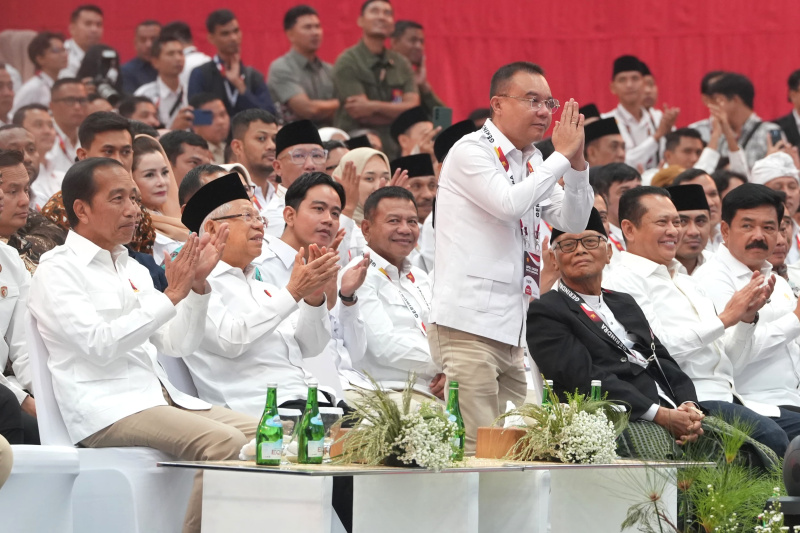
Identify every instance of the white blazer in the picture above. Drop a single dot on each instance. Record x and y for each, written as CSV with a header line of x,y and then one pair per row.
x,y
478,287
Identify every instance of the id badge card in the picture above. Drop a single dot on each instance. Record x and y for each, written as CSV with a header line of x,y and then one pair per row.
x,y
532,270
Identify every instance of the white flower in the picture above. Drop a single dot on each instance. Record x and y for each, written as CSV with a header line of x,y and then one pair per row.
x,y
425,440
589,438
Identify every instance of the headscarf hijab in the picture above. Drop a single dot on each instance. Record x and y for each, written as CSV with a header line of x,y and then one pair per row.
x,y
359,157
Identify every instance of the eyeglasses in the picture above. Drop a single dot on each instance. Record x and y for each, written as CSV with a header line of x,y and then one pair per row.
x,y
536,104
72,100
248,218
317,156
590,242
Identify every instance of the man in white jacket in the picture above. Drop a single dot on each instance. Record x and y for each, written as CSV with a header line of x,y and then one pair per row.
x,y
493,190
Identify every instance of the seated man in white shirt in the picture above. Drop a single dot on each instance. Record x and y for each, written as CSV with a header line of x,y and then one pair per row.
x,y
298,149
49,56
395,299
612,182
256,332
685,320
778,172
770,372
253,133
422,183
170,97
36,119
604,144
103,323
700,177
68,105
692,206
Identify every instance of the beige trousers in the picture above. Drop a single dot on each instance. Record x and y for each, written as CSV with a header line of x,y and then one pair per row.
x,y
352,397
489,374
6,460
213,435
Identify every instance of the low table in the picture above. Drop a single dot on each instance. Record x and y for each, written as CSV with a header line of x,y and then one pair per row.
x,y
482,495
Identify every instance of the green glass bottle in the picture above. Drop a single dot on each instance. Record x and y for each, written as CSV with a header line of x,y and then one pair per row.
x,y
311,432
596,390
269,436
454,412
546,393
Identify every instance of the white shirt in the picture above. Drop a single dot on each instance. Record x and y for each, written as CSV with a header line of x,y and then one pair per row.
x,y
715,239
193,58
34,91
255,333
167,101
47,183
684,319
397,341
641,147
793,254
75,55
15,283
274,213
162,245
770,371
616,238
427,246
63,153
102,323
479,255
348,335
261,199
16,77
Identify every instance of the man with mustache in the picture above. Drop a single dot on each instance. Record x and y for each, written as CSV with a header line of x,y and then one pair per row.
x,y
692,206
770,371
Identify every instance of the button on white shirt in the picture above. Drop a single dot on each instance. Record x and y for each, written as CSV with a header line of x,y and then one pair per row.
x,y
75,55
255,333
684,319
15,283
34,91
396,342
641,148
770,371
479,252
102,323
63,153
167,101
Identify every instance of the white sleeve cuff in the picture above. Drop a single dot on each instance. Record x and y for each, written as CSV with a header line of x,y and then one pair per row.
x,y
650,415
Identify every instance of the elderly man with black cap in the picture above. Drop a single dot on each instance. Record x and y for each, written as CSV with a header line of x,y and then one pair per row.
x,y
413,131
690,201
582,332
298,149
604,143
253,329
639,128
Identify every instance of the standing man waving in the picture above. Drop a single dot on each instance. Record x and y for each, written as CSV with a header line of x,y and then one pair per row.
x,y
494,189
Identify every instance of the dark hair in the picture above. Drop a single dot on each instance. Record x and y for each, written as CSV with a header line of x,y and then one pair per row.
x,y
630,203
173,142
86,7
366,4
179,29
401,26
794,80
94,97
148,22
11,158
673,138
79,183
220,17
613,173
95,65
64,81
506,72
19,114
722,178
332,145
101,122
732,84
242,120
688,175
40,44
193,180
127,107
479,114
371,204
705,83
6,127
138,128
294,13
298,190
143,146
201,99
159,43
750,196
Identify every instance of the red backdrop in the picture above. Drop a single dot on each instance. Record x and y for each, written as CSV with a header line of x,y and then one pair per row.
x,y
574,40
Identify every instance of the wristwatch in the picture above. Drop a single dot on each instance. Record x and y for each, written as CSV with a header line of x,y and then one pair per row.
x,y
348,299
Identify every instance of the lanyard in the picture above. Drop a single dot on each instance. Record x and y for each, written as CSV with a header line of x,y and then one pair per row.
x,y
616,242
406,301
232,92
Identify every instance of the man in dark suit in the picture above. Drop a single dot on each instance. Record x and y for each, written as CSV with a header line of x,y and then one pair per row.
x,y
789,123
239,87
579,332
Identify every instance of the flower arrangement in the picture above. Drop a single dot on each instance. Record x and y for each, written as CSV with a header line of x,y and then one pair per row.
x,y
772,520
385,432
582,430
